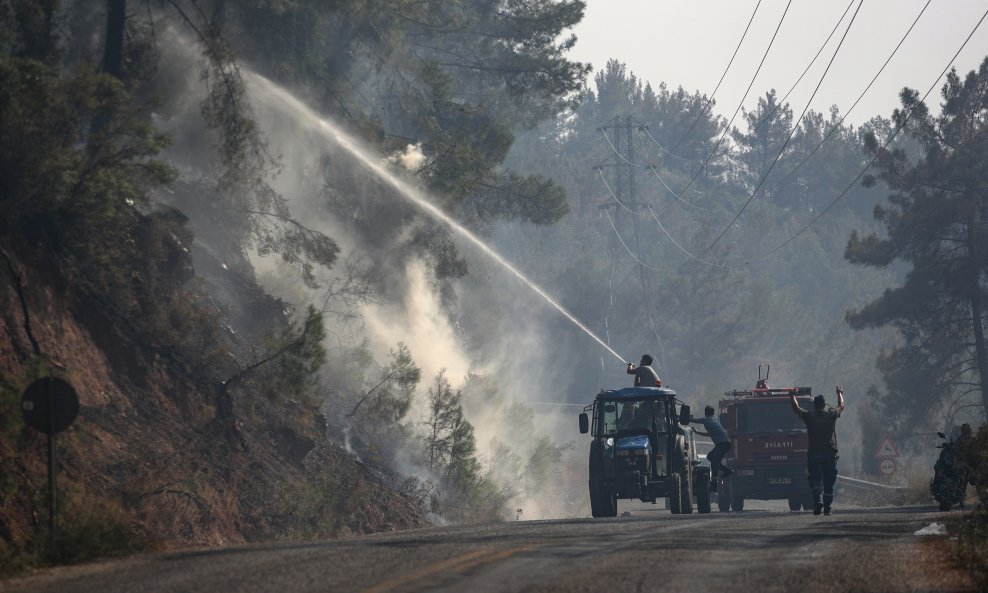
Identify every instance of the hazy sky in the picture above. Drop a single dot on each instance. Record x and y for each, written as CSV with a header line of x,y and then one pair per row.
x,y
689,43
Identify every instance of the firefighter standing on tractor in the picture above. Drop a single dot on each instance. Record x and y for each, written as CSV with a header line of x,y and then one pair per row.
x,y
645,375
821,454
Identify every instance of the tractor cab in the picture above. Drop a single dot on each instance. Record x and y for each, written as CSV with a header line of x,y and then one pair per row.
x,y
641,449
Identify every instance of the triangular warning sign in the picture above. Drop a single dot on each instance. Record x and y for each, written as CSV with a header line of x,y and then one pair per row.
x,y
886,450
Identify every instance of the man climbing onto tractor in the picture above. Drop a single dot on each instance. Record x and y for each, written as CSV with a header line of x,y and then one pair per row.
x,y
722,444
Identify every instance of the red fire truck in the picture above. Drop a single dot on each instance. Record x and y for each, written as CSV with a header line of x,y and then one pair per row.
x,y
768,447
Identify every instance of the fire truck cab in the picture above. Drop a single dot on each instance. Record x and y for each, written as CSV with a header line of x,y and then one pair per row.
x,y
768,448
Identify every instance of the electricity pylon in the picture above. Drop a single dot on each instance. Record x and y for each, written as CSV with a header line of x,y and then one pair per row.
x,y
624,202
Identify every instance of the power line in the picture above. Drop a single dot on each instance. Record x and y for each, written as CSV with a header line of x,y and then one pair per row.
x,y
648,167
664,149
840,122
618,233
624,171
710,100
625,245
791,132
884,146
648,206
614,148
807,69
677,196
676,243
738,110
759,124
624,196
611,191
652,212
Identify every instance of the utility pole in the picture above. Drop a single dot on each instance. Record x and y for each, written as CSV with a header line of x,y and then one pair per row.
x,y
622,161
624,202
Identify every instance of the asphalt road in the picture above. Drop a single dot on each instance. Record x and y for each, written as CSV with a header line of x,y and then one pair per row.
x,y
765,549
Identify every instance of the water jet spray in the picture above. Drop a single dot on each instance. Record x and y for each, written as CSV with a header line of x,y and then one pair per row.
x,y
406,190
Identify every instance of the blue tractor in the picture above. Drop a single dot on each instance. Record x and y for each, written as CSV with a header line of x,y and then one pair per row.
x,y
643,449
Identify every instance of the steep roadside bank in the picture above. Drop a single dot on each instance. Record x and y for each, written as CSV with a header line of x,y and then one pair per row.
x,y
146,463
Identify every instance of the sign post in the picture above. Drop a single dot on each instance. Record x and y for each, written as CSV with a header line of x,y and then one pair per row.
x,y
50,405
886,456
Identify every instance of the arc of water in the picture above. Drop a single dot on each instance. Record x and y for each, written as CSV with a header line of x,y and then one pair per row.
x,y
408,191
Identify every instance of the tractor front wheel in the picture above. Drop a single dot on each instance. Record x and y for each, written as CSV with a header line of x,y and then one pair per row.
x,y
603,503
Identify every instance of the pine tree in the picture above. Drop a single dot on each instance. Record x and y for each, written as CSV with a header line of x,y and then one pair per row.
x,y
445,413
769,124
451,448
379,414
935,222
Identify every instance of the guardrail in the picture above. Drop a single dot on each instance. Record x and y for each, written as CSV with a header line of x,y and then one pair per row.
x,y
863,491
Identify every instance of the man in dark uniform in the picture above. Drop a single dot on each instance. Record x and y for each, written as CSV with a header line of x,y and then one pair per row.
x,y
821,454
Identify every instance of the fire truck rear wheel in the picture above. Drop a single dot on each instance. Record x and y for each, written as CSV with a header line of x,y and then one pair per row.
x,y
724,496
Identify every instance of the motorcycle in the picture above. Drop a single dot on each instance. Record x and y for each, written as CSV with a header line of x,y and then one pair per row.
x,y
950,476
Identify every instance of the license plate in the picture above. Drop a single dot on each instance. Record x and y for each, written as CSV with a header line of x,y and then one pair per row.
x,y
780,480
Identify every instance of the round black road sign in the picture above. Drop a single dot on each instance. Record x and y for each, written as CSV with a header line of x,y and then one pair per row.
x,y
50,405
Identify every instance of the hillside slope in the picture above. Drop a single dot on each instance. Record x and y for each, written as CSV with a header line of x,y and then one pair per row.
x,y
147,461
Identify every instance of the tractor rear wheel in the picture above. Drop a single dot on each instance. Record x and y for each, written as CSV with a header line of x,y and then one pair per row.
x,y
675,497
686,491
702,489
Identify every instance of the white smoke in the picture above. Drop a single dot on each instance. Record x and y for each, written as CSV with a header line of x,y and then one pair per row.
x,y
518,353
420,323
411,159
